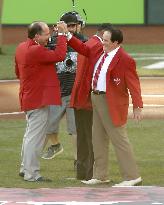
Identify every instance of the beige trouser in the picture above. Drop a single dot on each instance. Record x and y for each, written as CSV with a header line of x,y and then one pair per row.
x,y
103,132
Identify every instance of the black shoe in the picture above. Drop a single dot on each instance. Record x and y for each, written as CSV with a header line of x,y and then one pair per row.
x,y
43,179
21,174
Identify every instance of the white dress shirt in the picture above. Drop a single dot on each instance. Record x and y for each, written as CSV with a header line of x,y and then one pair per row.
x,y
101,83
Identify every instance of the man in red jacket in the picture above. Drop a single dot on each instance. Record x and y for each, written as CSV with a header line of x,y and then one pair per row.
x,y
112,76
83,109
39,88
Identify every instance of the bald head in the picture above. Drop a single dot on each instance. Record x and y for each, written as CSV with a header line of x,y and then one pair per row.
x,y
36,28
39,32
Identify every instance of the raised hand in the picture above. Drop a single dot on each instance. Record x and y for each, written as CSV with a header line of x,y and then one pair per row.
x,y
62,27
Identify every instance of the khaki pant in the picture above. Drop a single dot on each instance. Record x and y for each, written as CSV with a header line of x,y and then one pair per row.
x,y
103,132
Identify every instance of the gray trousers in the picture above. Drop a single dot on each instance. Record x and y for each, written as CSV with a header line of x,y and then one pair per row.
x,y
56,114
103,132
33,142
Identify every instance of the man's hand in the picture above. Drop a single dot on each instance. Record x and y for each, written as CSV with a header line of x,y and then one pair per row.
x,y
62,27
137,114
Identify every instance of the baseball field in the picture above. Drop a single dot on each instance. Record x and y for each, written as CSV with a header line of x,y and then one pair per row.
x,y
146,137
146,45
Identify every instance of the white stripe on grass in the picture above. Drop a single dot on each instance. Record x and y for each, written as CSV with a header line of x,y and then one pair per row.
x,y
145,105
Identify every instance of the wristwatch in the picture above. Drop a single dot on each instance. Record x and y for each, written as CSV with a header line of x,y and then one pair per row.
x,y
61,34
68,35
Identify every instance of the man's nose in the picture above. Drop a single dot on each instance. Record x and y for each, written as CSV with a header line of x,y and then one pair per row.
x,y
71,29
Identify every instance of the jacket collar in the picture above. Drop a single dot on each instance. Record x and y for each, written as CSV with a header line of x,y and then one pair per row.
x,y
32,42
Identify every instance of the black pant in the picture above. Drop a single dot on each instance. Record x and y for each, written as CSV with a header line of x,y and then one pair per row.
x,y
85,157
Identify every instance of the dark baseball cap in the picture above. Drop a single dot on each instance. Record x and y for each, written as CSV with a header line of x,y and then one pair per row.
x,y
69,18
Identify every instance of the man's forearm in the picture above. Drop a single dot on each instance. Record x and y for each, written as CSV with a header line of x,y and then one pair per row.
x,y
79,46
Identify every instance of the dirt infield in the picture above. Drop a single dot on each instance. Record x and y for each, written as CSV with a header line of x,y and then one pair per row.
x,y
132,34
152,92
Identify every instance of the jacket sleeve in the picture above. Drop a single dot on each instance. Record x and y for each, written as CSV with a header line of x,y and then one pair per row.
x,y
79,46
16,69
133,84
49,56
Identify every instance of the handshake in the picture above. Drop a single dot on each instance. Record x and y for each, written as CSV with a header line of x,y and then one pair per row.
x,y
61,27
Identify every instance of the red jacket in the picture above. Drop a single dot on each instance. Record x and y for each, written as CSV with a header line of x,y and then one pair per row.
x,y
80,96
39,85
121,77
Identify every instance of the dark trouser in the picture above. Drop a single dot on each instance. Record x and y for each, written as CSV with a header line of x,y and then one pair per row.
x,y
85,158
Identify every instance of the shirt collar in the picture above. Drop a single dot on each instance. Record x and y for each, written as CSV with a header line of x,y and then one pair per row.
x,y
113,52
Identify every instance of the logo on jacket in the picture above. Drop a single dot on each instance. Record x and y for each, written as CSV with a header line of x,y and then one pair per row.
x,y
117,81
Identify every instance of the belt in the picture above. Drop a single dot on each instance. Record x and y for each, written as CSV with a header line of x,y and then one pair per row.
x,y
97,92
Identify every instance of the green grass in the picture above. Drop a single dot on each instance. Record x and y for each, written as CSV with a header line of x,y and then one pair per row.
x,y
147,139
149,49
7,63
7,60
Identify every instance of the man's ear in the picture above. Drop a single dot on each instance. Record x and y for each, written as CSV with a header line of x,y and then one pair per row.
x,y
36,37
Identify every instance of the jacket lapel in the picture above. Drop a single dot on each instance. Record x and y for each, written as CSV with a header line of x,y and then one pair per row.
x,y
114,61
